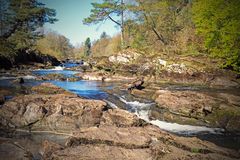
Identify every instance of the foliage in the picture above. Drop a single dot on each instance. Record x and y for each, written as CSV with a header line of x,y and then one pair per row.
x,y
56,45
106,46
219,24
107,10
20,20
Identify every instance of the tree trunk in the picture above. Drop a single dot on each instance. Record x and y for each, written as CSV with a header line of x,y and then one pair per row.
x,y
122,26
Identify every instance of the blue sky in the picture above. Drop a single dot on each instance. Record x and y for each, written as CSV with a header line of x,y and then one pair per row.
x,y
70,14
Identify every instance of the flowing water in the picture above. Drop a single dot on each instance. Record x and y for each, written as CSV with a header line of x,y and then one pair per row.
x,y
141,107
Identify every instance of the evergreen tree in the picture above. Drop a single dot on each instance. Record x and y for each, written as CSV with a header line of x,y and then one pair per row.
x,y
87,47
24,17
103,35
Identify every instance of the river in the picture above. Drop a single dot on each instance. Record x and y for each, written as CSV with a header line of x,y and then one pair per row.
x,y
121,98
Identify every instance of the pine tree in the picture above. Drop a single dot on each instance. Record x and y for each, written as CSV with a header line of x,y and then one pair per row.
x,y
107,10
87,47
103,35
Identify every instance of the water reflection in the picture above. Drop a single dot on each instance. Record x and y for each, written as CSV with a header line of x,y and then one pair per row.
x,y
87,89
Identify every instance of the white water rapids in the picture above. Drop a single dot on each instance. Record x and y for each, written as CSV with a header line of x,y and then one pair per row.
x,y
142,110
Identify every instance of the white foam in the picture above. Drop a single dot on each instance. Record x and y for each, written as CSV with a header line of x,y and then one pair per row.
x,y
178,128
58,68
142,111
6,78
136,104
28,77
185,129
112,105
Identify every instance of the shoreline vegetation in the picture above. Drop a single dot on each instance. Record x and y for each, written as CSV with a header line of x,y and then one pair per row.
x,y
174,63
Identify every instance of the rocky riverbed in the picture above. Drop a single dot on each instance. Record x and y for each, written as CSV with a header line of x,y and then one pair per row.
x,y
64,114
89,129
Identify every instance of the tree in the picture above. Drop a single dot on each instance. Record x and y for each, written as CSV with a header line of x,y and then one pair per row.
x,y
87,47
56,45
24,17
218,22
106,11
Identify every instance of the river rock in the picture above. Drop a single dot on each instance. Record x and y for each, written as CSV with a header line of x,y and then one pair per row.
x,y
96,132
120,118
186,102
221,110
92,76
49,88
149,142
58,112
54,76
124,56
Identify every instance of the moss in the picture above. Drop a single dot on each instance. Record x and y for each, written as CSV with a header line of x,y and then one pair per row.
x,y
195,150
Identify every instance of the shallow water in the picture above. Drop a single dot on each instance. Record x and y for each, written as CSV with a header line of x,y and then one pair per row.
x,y
86,89
66,73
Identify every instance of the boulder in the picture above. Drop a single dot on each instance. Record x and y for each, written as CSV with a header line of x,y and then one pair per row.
x,y
120,118
59,112
137,84
177,68
124,56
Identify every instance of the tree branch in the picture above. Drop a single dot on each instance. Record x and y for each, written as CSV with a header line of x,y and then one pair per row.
x,y
114,20
159,36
